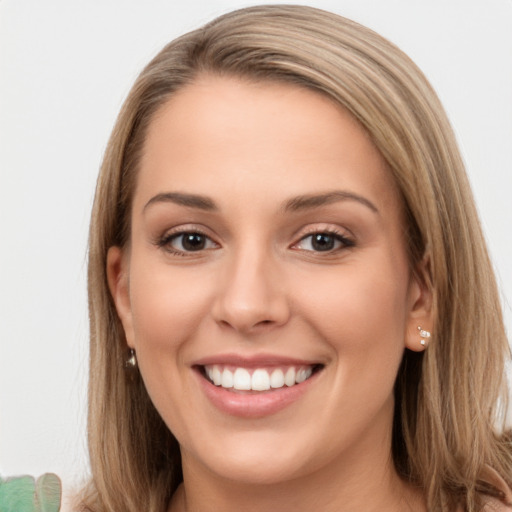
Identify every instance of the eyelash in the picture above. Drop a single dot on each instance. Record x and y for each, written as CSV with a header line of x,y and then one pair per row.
x,y
336,235
165,241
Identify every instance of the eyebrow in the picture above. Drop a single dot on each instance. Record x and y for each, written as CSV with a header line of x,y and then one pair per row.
x,y
306,202
302,202
182,199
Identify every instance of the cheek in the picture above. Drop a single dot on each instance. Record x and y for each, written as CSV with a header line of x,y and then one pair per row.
x,y
359,300
361,313
166,306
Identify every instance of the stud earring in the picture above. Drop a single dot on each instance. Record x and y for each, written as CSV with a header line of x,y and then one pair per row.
x,y
424,336
131,362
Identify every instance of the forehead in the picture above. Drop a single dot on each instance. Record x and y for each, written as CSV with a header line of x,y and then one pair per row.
x,y
223,135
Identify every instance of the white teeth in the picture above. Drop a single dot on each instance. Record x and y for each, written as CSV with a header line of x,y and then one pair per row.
x,y
260,380
277,379
227,379
289,378
303,374
216,376
242,379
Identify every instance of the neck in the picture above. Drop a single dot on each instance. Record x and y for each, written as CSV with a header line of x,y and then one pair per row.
x,y
367,483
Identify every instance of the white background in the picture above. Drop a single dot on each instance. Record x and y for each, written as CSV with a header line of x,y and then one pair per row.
x,y
65,68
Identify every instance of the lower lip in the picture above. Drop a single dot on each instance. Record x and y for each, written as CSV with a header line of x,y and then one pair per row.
x,y
254,405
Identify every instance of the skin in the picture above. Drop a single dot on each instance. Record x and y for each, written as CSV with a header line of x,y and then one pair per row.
x,y
260,286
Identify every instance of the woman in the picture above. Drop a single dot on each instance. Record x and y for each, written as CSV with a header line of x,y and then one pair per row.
x,y
291,300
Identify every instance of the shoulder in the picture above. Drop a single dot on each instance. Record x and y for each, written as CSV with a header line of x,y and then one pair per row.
x,y
495,505
491,503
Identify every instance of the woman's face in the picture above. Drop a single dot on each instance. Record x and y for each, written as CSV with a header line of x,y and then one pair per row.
x,y
267,253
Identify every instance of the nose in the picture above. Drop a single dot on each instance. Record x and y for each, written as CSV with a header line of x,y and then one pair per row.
x,y
251,294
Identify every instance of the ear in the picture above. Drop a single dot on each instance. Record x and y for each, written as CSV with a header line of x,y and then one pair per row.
x,y
119,285
420,298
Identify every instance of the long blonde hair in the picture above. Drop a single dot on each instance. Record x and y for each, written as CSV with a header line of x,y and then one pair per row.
x,y
447,400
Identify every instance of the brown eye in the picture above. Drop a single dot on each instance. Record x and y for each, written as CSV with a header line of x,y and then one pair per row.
x,y
193,241
324,242
188,242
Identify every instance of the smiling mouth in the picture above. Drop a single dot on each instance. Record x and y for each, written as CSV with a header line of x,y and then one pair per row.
x,y
240,379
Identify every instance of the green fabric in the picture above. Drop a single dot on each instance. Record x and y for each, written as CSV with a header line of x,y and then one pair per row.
x,y
24,494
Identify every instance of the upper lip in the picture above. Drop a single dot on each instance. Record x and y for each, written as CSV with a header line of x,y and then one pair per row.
x,y
254,361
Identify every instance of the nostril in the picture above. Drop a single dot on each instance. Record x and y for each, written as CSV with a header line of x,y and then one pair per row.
x,y
263,324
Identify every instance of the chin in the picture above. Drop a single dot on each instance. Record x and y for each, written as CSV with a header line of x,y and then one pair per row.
x,y
255,469
261,457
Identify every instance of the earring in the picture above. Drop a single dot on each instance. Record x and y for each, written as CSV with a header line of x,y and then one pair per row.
x,y
131,362
424,336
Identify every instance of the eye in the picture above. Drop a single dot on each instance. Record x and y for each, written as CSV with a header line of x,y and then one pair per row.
x,y
324,241
188,241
